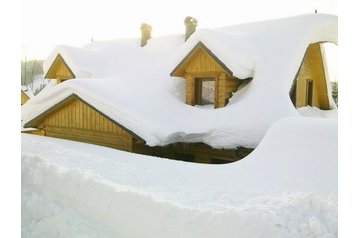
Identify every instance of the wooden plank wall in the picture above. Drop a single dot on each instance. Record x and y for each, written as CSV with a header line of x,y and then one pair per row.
x,y
24,98
75,120
312,68
202,65
59,70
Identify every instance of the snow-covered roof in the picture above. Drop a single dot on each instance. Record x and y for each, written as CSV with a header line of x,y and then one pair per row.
x,y
132,84
27,91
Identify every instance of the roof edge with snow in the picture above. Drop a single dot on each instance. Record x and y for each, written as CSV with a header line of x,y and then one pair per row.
x,y
59,56
201,45
32,123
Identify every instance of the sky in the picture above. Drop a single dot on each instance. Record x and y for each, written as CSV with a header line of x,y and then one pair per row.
x,y
48,23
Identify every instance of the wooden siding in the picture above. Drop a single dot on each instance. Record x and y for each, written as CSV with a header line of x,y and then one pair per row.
x,y
201,61
75,120
59,70
312,68
24,98
201,64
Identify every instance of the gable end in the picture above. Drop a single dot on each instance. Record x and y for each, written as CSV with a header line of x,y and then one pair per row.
x,y
38,119
56,66
200,45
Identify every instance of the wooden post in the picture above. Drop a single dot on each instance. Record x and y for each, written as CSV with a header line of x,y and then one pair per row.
x,y
58,79
220,87
189,86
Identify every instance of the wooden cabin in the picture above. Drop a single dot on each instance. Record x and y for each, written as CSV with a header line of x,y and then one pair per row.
x,y
59,70
207,79
75,119
310,85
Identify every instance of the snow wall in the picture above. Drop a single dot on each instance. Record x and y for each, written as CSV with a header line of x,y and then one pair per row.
x,y
66,201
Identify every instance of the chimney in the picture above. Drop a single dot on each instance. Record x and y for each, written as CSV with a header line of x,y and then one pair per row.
x,y
190,26
146,33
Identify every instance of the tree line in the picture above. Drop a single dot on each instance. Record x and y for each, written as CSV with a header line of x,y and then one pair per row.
x,y
29,70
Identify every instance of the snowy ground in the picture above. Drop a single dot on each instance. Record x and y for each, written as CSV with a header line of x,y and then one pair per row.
x,y
287,187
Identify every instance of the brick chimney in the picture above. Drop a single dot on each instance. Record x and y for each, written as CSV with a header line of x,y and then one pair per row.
x,y
190,26
146,33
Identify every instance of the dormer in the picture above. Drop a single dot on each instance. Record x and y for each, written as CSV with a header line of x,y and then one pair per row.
x,y
59,70
208,80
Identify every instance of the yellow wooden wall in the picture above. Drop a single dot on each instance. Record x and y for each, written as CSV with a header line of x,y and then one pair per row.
x,y
312,68
59,70
75,120
201,65
24,98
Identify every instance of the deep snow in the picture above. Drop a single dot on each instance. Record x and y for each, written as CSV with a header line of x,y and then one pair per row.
x,y
287,187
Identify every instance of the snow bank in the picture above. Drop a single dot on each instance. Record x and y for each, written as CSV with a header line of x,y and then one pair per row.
x,y
132,84
286,188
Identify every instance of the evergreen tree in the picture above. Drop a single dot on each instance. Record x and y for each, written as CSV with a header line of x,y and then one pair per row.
x,y
335,91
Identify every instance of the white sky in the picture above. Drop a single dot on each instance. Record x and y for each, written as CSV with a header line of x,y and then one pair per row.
x,y
47,23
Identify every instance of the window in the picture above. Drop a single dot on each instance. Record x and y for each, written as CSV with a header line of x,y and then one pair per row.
x,y
309,92
204,91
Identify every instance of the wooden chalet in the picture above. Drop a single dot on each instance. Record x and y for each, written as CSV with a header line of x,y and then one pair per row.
x,y
208,81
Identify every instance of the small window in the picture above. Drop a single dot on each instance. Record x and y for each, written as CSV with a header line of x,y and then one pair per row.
x,y
309,92
205,91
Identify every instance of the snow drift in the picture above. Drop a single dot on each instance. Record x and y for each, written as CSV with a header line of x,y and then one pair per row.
x,y
286,188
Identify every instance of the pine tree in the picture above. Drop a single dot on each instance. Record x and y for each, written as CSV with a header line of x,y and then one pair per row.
x,y
335,91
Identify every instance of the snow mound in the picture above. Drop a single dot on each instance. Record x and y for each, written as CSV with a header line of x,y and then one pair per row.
x,y
287,188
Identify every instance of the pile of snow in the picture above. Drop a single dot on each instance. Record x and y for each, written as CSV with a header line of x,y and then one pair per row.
x,y
132,84
318,113
287,187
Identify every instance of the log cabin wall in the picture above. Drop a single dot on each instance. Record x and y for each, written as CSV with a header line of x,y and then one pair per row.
x,y
75,120
311,85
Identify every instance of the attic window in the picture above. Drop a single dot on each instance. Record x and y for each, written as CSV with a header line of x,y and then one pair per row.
x,y
205,91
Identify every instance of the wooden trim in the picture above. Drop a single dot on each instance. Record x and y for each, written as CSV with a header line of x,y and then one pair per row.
x,y
52,65
207,50
294,83
324,74
35,121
